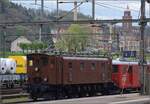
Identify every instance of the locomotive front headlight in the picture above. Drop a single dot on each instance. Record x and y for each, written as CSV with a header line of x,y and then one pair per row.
x,y
36,69
45,79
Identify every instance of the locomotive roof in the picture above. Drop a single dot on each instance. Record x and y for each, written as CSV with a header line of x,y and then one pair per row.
x,y
124,62
83,58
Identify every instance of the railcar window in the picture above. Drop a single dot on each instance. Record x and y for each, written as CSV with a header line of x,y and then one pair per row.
x,y
81,66
124,69
44,60
52,62
115,68
93,66
130,69
70,65
103,65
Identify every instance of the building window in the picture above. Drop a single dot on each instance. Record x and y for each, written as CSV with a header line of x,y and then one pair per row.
x,y
81,66
93,66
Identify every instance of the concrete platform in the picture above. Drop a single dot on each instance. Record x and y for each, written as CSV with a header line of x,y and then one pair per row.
x,y
114,99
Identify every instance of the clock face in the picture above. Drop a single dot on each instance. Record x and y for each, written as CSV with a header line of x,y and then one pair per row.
x,y
127,14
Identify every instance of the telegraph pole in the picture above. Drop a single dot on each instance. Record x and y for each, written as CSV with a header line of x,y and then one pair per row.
x,y
42,6
57,17
93,9
75,11
110,38
3,41
42,12
142,49
40,32
57,9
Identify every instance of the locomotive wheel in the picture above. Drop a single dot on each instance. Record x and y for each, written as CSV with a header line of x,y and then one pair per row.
x,y
105,92
34,98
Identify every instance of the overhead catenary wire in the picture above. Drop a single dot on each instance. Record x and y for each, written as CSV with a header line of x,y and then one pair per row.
x,y
114,7
47,22
104,4
118,7
65,34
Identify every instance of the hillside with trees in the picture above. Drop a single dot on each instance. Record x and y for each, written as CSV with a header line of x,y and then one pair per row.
x,y
13,12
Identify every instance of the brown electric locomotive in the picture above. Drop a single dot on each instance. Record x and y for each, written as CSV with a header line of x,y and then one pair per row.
x,y
51,76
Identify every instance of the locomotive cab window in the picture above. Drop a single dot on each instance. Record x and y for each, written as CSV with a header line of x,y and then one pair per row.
x,y
115,68
30,62
93,66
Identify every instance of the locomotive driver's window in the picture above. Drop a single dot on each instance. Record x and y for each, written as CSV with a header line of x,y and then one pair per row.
x,y
115,68
30,62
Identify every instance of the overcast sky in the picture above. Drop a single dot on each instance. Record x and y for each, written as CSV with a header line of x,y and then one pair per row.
x,y
104,9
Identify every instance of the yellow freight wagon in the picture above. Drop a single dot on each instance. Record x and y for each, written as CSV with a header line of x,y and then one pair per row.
x,y
21,64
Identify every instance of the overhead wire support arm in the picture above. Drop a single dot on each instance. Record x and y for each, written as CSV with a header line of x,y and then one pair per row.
x,y
113,21
61,17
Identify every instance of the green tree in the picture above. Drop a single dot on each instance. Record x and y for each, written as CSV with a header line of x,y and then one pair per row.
x,y
35,46
23,46
76,39
38,46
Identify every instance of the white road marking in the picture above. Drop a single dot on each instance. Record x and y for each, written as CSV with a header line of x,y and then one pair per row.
x,y
131,101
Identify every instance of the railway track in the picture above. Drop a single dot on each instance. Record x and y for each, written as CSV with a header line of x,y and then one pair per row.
x,y
18,95
11,91
14,95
